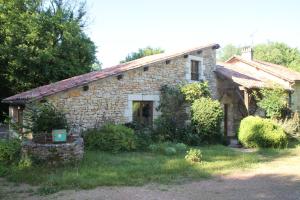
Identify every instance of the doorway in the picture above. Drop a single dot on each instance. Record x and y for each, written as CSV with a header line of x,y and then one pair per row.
x,y
143,112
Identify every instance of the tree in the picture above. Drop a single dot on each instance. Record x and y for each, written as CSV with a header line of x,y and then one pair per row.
x,y
228,51
273,52
42,42
142,53
274,101
278,53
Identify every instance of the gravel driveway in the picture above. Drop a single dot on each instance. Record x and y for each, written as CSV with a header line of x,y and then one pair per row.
x,y
276,180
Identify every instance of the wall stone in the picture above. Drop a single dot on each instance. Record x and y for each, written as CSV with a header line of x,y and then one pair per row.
x,y
107,99
54,153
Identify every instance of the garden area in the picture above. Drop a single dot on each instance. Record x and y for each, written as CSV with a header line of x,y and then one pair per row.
x,y
171,151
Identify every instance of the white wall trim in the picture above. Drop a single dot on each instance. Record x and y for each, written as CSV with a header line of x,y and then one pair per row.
x,y
142,97
188,68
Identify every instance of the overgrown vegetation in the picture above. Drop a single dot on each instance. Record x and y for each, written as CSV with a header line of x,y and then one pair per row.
x,y
274,101
193,155
42,118
100,168
262,133
194,91
168,148
207,115
10,151
110,137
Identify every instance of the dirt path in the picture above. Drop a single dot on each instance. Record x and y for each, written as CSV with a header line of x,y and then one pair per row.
x,y
276,180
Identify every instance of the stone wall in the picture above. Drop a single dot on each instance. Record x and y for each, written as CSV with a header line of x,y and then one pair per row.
x,y
110,99
54,153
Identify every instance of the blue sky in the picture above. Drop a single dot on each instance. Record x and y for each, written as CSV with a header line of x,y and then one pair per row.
x,y
119,27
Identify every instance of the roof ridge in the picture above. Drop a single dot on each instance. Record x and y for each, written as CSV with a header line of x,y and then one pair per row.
x,y
75,81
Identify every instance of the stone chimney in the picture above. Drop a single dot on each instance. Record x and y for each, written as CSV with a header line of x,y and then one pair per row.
x,y
247,53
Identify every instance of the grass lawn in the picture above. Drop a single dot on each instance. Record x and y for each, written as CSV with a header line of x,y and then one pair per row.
x,y
138,168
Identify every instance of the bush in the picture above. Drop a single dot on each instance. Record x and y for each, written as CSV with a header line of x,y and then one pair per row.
x,y
273,101
144,135
10,151
259,132
110,137
194,91
207,116
43,118
194,155
291,126
167,148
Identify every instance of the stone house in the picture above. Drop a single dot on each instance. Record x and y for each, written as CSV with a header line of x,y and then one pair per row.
x,y
131,91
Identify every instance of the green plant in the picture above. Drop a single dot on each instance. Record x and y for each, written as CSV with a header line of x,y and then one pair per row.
x,y
273,101
207,115
194,91
194,155
110,137
167,148
170,151
259,132
10,151
25,162
172,107
291,126
43,117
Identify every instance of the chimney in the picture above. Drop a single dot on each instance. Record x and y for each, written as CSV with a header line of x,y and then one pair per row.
x,y
247,53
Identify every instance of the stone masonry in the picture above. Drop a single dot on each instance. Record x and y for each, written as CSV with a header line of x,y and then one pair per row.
x,y
110,99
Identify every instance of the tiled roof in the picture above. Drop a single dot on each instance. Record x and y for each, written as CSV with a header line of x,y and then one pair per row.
x,y
276,70
245,76
80,80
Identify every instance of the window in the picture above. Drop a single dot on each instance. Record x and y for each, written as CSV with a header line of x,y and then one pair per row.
x,y
195,70
142,112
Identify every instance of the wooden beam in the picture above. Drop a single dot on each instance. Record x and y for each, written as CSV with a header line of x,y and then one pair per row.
x,y
246,99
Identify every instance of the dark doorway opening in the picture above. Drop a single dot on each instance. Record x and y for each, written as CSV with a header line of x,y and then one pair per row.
x,y
226,120
143,112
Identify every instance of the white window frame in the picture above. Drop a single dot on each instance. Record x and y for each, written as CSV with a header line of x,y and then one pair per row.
x,y
189,65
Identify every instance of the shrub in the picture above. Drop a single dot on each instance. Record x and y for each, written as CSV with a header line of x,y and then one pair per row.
x,y
207,115
144,135
273,101
110,137
167,148
170,151
194,91
44,117
291,126
10,151
259,132
194,155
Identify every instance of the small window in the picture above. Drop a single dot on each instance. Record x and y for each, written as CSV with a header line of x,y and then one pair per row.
x,y
195,70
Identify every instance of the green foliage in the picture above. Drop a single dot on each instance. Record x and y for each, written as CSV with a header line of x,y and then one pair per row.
x,y
207,115
259,132
194,91
278,53
140,168
194,155
167,148
273,101
25,163
291,126
110,137
172,119
42,118
42,42
10,151
142,53
228,51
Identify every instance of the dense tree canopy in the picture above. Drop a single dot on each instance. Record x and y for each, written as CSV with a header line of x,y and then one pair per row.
x,y
42,41
142,53
274,52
